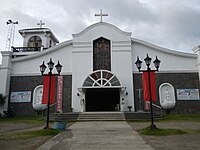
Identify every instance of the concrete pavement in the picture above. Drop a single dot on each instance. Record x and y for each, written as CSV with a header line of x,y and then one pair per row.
x,y
97,135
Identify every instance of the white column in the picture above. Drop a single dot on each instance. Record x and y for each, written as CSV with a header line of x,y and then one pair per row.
x,y
196,50
5,72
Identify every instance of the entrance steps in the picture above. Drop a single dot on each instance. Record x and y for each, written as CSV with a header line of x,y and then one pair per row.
x,y
101,116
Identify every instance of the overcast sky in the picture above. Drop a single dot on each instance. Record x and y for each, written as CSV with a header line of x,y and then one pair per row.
x,y
168,23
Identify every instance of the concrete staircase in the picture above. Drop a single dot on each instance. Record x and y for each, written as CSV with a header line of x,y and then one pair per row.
x,y
101,116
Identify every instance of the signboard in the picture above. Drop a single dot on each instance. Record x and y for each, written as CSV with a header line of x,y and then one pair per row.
x,y
19,97
146,105
59,94
187,94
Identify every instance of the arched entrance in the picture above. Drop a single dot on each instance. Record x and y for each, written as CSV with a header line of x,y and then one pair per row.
x,y
102,91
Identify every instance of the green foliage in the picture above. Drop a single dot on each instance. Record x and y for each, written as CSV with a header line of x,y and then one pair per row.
x,y
182,117
44,132
2,99
161,132
30,134
34,119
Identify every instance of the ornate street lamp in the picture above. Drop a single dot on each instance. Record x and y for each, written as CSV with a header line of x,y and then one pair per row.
x,y
42,68
156,63
148,63
138,63
50,65
58,67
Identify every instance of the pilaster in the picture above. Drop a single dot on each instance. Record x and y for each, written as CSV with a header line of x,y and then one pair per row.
x,y
5,72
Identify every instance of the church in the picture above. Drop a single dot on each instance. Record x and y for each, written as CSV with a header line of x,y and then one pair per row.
x,y
98,74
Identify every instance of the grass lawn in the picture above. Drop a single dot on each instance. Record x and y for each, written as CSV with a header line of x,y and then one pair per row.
x,y
161,132
35,119
29,134
181,117
172,118
25,119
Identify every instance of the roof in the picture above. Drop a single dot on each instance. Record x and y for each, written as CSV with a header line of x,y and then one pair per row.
x,y
38,30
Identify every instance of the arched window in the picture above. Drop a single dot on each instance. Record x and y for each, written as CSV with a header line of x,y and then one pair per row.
x,y
101,78
35,41
101,54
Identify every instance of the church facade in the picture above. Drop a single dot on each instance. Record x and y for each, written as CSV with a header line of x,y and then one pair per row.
x,y
98,74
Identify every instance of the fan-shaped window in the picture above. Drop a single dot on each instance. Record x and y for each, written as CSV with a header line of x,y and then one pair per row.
x,y
35,41
101,78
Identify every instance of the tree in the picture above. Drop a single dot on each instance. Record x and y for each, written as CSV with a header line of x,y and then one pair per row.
x,y
2,100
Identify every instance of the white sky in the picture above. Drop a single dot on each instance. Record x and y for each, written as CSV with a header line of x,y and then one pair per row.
x,y
167,23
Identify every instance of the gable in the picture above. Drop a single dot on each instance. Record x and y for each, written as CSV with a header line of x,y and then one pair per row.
x,y
102,29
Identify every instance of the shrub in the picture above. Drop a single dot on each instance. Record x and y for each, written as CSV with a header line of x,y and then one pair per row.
x,y
2,99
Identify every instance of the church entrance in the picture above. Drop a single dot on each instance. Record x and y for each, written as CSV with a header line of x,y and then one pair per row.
x,y
102,99
102,91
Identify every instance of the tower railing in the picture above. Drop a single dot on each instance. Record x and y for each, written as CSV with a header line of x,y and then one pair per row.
x,y
27,49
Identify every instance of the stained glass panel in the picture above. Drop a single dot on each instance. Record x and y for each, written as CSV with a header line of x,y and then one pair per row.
x,y
101,54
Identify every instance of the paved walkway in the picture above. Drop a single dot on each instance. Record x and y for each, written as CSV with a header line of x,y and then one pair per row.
x,y
100,135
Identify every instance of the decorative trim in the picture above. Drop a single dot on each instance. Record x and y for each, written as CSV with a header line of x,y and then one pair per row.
x,y
101,24
164,50
122,50
42,53
172,71
129,46
82,43
81,51
82,46
38,74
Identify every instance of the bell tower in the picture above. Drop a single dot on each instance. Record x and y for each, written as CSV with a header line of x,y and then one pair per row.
x,y
34,40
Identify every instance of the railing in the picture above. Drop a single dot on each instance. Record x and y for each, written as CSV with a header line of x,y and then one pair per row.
x,y
44,109
157,106
27,49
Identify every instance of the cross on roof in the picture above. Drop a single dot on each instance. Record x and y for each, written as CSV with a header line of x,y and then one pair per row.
x,y
41,23
101,15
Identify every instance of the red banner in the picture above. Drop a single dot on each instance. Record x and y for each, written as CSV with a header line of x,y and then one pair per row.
x,y
45,95
59,94
146,90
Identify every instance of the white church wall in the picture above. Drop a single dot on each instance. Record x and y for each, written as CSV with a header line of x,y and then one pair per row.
x,y
196,50
121,67
82,67
29,65
83,54
171,61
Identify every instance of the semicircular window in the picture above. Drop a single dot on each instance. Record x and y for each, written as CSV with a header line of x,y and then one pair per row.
x,y
35,41
101,78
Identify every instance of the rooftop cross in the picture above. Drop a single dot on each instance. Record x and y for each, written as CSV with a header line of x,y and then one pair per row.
x,y
40,23
101,15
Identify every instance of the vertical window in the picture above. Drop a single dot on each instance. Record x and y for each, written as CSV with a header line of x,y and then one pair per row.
x,y
50,43
35,41
101,54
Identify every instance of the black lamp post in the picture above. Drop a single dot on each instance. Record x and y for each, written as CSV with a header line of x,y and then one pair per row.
x,y
42,70
148,63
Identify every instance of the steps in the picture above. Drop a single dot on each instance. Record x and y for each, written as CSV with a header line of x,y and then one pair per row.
x,y
88,116
101,116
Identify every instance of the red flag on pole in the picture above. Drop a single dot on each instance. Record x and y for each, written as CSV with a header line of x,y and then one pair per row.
x,y
146,90
45,95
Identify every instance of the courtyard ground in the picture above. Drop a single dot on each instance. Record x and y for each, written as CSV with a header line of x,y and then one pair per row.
x,y
173,142
8,130
189,141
